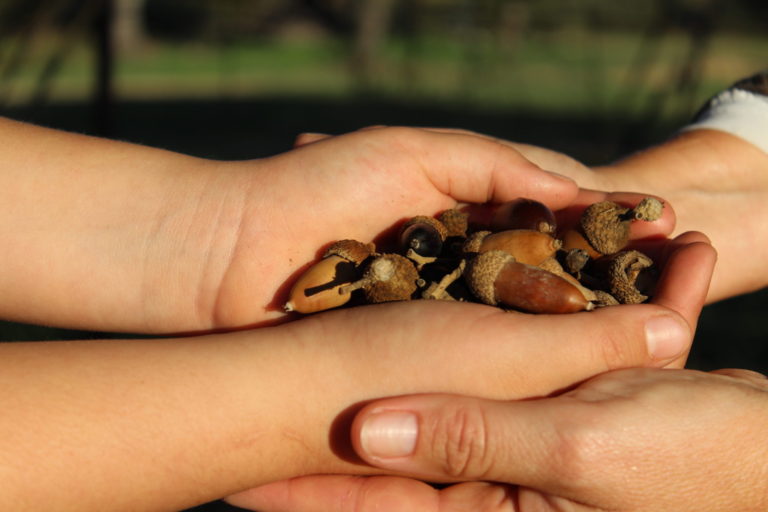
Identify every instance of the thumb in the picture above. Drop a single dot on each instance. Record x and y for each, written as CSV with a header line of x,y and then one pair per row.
x,y
454,438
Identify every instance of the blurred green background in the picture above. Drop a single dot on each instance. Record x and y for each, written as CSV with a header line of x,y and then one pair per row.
x,y
237,79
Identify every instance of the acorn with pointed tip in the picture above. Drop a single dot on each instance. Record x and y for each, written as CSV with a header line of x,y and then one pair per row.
x,y
389,277
317,289
498,280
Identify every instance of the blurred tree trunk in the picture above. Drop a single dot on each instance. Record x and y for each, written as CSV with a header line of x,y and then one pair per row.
x,y
371,28
129,31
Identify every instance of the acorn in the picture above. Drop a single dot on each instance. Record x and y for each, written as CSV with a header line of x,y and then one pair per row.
x,y
524,213
552,265
456,223
424,235
389,277
497,279
573,239
629,275
525,245
317,289
605,225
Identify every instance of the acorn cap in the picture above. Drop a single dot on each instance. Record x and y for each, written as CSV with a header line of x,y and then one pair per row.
x,y
649,209
350,250
605,226
482,272
390,277
623,271
474,241
423,219
455,222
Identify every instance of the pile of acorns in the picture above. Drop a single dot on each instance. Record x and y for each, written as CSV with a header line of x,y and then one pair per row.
x,y
523,264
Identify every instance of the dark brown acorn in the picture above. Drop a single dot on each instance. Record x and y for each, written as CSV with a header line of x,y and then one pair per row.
x,y
524,213
497,279
424,235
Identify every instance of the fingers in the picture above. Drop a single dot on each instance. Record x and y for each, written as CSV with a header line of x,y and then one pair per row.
x,y
455,438
464,166
752,377
303,139
323,493
685,279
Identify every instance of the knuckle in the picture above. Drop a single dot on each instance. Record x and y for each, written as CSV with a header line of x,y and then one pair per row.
x,y
461,442
615,348
575,455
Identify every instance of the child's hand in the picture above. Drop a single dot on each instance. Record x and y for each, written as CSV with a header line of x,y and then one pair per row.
x,y
103,235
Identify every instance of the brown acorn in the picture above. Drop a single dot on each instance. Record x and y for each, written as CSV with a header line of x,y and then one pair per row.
x,y
524,213
424,235
456,222
605,225
573,239
629,275
552,265
389,277
317,289
497,279
525,245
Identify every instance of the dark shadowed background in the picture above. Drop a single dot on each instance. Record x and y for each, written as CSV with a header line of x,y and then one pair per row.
x,y
236,79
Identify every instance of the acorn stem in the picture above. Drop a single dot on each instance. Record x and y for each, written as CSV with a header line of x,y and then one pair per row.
x,y
439,291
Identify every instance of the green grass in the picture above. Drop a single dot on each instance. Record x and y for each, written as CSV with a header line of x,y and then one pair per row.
x,y
567,71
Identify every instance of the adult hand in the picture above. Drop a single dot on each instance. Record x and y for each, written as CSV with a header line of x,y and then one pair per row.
x,y
636,440
213,415
104,235
717,183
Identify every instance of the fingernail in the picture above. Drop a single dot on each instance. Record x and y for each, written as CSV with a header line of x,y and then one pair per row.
x,y
667,337
389,434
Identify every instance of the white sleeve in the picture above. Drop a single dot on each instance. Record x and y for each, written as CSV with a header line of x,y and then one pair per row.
x,y
741,110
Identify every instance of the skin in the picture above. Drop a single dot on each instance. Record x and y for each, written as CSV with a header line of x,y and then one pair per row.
x,y
718,183
636,440
152,241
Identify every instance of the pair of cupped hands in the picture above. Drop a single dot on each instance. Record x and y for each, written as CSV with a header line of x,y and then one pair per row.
x,y
594,411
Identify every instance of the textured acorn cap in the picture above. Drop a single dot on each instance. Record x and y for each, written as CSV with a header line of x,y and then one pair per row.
x,y
482,272
390,277
455,222
474,241
605,227
603,298
350,250
649,209
430,221
623,270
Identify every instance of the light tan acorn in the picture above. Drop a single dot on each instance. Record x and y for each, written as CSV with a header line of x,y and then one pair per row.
x,y
525,245
389,277
317,289
497,279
